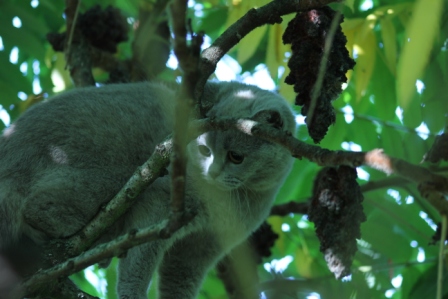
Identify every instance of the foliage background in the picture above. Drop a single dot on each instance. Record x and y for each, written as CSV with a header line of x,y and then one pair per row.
x,y
396,99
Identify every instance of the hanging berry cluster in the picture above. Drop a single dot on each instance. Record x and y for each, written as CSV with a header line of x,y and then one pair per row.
x,y
307,33
337,213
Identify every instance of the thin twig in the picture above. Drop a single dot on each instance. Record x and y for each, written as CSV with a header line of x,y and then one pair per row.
x,y
146,174
441,258
107,250
72,26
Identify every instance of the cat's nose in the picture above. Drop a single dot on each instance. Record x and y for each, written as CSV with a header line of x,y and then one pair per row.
x,y
214,170
213,173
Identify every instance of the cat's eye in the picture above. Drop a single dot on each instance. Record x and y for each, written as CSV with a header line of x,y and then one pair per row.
x,y
205,151
235,158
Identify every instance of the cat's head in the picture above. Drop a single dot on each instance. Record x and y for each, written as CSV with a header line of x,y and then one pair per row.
x,y
233,160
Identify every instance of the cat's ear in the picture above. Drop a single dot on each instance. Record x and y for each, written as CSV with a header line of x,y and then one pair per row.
x,y
270,117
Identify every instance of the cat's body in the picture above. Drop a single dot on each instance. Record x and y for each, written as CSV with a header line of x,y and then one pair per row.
x,y
65,158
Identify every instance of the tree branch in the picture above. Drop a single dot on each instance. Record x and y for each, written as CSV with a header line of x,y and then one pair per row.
x,y
144,176
376,158
117,247
77,49
268,14
154,167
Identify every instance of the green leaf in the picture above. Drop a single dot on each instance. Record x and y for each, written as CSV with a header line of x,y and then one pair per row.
x,y
365,43
421,33
212,21
11,75
382,87
426,286
435,114
412,113
24,39
391,142
80,280
31,22
414,147
389,37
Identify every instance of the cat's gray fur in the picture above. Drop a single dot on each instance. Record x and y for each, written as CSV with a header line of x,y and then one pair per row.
x,y
64,158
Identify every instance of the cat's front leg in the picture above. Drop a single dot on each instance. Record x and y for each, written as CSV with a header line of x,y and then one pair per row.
x,y
185,265
136,269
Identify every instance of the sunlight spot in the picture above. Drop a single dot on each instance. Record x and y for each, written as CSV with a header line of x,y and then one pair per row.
x,y
227,68
16,22
366,5
199,10
300,119
420,86
356,51
365,268
286,227
422,131
281,71
21,95
34,3
346,278
348,113
58,81
4,116
263,295
36,67
260,78
36,86
207,42
280,265
24,68
267,267
414,243
172,61
409,200
14,55
421,255
396,281
130,20
2,47
313,295
372,99
303,223
389,293
344,85
395,195
362,174
370,279
390,11
428,220
351,146
363,243
399,113
96,280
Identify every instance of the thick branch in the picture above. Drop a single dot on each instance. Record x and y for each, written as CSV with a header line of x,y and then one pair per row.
x,y
268,14
116,247
139,181
157,163
77,49
188,57
375,158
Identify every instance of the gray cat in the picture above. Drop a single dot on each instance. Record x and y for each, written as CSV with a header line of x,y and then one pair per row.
x,y
65,158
